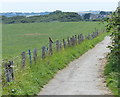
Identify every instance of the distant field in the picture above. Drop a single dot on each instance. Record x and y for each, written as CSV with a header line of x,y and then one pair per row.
x,y
21,37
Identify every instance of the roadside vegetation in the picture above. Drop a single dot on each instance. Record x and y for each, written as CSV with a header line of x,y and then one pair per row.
x,y
112,69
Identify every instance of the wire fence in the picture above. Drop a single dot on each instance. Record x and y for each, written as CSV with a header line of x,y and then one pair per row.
x,y
13,65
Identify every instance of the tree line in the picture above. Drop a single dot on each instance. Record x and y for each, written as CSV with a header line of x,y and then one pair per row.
x,y
56,16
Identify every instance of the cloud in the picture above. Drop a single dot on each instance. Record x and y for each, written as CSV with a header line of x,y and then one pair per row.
x,y
59,1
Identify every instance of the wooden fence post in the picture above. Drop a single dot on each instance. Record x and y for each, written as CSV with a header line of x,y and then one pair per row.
x,y
23,59
57,45
97,33
35,55
75,39
64,43
46,50
71,41
78,39
93,35
60,45
50,46
82,37
88,37
30,58
68,41
9,71
43,52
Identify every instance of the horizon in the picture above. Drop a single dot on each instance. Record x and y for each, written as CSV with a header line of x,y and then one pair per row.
x,y
59,10
52,5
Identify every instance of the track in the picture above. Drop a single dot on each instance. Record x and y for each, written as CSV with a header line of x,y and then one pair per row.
x,y
83,76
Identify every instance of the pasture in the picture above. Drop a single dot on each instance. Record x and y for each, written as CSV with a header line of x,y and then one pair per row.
x,y
21,37
29,80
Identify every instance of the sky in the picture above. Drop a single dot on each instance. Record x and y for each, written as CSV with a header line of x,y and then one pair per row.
x,y
52,5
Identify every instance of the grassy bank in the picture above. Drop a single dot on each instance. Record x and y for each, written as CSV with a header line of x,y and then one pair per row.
x,y
112,69
112,76
32,78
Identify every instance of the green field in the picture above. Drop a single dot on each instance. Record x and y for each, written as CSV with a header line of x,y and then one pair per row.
x,y
21,37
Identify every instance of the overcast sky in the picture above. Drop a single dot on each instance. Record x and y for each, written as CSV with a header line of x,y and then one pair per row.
x,y
52,5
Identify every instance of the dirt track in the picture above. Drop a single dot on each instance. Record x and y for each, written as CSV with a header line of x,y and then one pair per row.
x,y
83,76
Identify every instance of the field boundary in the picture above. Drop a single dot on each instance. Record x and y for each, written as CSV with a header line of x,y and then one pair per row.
x,y
45,51
27,59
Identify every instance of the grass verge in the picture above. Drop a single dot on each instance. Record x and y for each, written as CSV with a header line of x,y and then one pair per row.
x,y
112,74
30,80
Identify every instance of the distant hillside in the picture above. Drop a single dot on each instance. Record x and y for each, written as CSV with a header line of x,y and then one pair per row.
x,y
56,16
12,14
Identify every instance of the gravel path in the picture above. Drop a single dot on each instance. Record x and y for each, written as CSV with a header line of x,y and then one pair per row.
x,y
83,76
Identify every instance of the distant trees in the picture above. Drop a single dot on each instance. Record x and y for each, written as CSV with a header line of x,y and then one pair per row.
x,y
105,13
54,16
87,16
102,13
56,12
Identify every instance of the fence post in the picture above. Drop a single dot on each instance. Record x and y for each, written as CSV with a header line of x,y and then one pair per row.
x,y
68,41
78,39
29,53
50,46
35,55
60,45
46,50
23,59
9,71
75,39
82,37
88,37
64,43
71,42
93,35
43,52
57,45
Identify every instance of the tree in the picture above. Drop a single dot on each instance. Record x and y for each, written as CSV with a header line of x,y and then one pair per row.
x,y
87,16
102,13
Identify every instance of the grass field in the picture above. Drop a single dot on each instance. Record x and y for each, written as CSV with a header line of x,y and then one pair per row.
x,y
21,37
